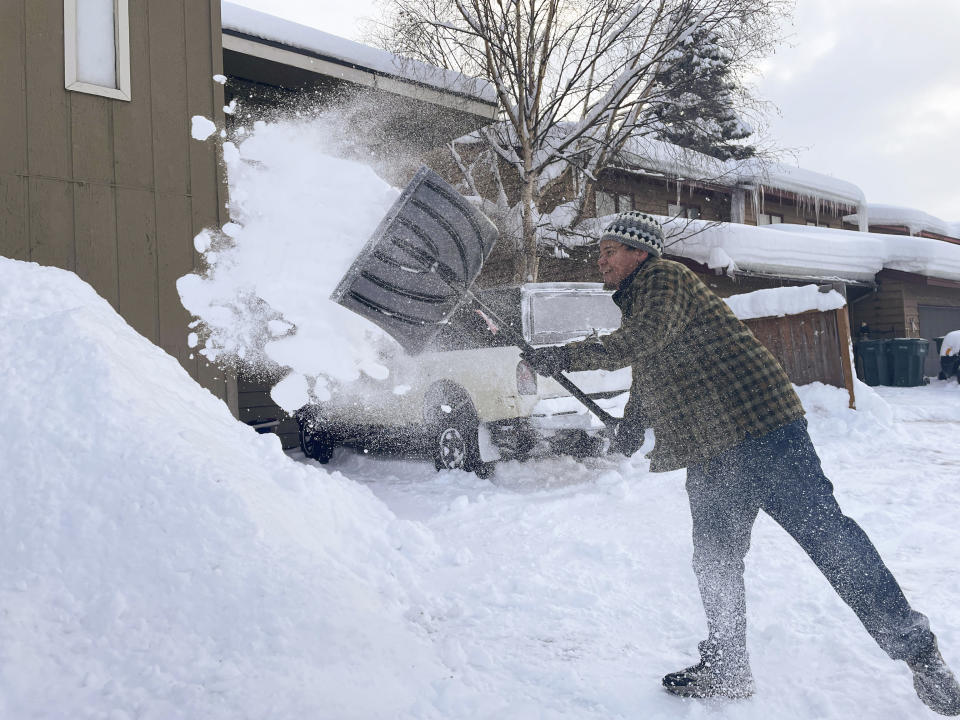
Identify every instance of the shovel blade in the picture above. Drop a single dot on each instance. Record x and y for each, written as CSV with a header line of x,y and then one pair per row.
x,y
420,262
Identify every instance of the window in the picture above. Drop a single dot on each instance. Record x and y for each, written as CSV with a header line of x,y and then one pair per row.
x,y
608,203
684,211
96,45
767,219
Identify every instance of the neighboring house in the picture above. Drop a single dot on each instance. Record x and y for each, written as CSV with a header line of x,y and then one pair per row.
x,y
666,180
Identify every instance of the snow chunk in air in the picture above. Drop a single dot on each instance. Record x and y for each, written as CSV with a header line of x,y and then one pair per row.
x,y
299,217
202,128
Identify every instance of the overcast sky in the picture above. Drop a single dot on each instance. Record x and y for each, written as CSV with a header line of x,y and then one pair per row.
x,y
868,91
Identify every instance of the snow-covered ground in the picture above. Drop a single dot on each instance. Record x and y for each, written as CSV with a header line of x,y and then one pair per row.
x,y
161,560
567,591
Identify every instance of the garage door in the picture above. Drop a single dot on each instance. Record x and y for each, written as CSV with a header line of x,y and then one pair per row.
x,y
936,321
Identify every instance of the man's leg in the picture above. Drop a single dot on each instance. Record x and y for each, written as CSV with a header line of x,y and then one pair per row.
x,y
794,491
799,497
723,513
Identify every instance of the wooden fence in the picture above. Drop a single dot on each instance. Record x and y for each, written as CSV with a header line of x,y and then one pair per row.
x,y
812,346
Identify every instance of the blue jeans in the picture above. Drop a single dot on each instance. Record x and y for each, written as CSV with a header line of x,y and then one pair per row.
x,y
780,474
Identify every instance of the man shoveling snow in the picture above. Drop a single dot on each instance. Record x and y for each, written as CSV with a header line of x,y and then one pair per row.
x,y
745,445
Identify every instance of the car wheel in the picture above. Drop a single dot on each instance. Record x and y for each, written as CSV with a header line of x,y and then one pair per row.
x,y
316,440
456,445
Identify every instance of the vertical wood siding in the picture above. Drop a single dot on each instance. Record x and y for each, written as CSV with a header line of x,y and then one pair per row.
x,y
808,345
114,190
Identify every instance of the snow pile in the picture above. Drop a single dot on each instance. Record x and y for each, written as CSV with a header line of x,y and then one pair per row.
x,y
299,216
777,302
246,21
161,560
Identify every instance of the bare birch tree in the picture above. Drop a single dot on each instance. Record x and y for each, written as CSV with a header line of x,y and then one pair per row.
x,y
575,80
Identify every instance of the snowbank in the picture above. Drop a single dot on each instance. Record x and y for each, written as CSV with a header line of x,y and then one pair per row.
x,y
269,27
299,217
161,560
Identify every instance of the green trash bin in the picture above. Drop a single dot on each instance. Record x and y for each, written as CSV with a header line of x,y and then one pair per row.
x,y
906,359
872,361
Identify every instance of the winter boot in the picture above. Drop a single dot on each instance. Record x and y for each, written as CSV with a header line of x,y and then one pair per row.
x,y
714,676
934,682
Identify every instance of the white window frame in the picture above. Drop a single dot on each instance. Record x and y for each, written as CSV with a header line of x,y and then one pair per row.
x,y
769,219
121,38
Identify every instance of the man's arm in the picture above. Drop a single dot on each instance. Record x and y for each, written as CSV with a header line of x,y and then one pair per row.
x,y
662,309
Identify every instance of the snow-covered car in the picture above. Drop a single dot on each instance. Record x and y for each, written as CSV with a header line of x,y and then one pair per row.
x,y
470,399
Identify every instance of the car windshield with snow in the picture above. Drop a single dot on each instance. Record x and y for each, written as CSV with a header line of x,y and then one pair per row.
x,y
470,399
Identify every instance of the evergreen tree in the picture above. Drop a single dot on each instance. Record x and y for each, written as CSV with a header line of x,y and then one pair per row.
x,y
696,99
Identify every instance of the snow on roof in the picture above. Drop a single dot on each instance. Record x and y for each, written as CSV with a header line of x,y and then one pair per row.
x,y
262,25
916,221
752,174
805,183
810,252
777,302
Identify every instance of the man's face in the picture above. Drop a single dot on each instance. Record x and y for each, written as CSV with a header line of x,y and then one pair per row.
x,y
617,261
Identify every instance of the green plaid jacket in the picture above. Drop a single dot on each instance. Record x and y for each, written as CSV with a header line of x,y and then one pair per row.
x,y
700,377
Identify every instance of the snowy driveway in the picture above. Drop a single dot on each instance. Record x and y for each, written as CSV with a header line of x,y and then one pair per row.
x,y
564,588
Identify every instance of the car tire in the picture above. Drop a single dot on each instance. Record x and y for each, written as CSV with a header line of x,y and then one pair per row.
x,y
316,440
456,445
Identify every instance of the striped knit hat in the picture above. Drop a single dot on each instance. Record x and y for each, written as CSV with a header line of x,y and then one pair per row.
x,y
638,230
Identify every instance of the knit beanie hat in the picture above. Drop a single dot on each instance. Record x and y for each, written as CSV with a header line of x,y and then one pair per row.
x,y
638,230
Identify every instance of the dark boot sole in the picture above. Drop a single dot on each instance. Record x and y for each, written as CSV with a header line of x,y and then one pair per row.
x,y
700,693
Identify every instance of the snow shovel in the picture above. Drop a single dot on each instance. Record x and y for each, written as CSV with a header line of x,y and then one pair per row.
x,y
418,267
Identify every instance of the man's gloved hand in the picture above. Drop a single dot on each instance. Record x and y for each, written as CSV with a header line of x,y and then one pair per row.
x,y
548,360
629,438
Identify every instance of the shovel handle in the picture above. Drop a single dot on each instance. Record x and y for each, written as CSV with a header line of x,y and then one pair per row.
x,y
517,339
